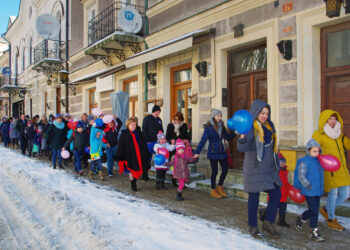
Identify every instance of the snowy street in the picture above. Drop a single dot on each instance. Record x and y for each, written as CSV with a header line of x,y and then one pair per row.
x,y
43,208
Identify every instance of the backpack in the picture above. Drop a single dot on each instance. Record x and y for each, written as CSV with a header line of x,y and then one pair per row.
x,y
296,181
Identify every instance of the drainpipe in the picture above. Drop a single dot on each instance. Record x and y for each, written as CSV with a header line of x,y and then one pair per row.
x,y
146,47
9,100
67,53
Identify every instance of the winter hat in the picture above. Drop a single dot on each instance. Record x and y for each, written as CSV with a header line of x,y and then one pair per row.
x,y
179,144
160,135
155,108
27,117
90,117
58,115
80,124
281,157
216,112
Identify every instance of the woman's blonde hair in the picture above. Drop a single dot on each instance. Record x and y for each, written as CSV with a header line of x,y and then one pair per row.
x,y
129,121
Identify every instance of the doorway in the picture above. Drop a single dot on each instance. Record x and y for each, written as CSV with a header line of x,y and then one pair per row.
x,y
130,86
335,82
58,100
92,100
247,81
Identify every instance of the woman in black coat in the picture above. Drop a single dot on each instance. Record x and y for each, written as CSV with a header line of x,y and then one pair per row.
x,y
177,129
132,152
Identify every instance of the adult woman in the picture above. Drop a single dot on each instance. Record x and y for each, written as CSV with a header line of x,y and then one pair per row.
x,y
132,152
260,170
177,129
333,141
14,133
56,136
215,131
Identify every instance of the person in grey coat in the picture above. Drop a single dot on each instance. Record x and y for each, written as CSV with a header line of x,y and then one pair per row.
x,y
260,168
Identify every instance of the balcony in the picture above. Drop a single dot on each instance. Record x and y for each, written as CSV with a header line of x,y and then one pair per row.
x,y
9,84
107,38
49,56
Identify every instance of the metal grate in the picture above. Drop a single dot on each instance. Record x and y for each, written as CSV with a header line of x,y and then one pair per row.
x,y
106,23
49,49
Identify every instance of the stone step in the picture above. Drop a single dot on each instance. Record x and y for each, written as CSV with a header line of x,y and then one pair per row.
x,y
237,191
194,175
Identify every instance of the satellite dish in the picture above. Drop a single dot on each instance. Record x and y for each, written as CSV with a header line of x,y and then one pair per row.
x,y
47,26
130,20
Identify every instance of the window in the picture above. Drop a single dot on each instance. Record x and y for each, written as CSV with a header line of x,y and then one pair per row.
x,y
338,49
24,59
130,86
30,50
91,15
92,99
248,60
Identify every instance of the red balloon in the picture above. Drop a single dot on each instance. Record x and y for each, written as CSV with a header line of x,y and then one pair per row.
x,y
329,162
164,152
295,195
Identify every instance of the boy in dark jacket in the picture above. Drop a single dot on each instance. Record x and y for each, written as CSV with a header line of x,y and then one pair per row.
x,y
5,130
29,134
110,138
78,138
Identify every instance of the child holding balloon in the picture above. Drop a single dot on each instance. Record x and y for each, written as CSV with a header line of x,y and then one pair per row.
x,y
162,147
308,177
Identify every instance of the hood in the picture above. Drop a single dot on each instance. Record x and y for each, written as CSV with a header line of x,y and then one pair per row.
x,y
312,143
324,116
108,128
257,106
58,125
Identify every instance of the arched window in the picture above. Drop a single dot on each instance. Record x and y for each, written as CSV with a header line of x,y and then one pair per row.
x,y
30,50
24,59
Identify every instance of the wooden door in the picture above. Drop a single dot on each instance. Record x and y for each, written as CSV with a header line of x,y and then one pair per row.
x,y
247,81
58,100
335,61
92,99
131,87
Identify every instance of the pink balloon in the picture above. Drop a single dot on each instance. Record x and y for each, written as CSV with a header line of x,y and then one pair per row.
x,y
329,162
65,154
107,118
164,152
96,111
295,195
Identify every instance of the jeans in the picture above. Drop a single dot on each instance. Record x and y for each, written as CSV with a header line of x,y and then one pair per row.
x,y
214,172
313,204
336,196
110,160
55,153
6,141
271,210
96,164
77,156
23,144
282,209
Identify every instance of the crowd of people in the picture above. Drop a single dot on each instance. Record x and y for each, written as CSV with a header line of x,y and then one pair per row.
x,y
265,170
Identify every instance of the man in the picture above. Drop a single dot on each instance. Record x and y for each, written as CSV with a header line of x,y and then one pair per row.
x,y
21,125
151,125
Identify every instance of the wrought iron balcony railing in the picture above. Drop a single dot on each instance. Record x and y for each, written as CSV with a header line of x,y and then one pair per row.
x,y
51,49
106,22
8,80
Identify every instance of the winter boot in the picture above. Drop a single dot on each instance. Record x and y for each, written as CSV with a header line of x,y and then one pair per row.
x,y
157,185
282,221
144,176
324,213
133,185
54,166
255,233
262,213
214,193
179,196
220,190
270,229
102,175
90,174
334,224
162,185
173,180
60,165
65,162
315,235
299,223
81,172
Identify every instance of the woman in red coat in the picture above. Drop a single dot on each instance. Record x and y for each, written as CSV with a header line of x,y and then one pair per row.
x,y
284,194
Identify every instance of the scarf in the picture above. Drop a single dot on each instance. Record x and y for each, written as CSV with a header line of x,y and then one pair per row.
x,y
177,127
333,133
262,137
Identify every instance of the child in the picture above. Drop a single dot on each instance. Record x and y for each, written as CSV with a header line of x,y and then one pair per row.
x,y
308,177
96,146
181,171
77,138
284,194
38,139
161,170
5,129
29,133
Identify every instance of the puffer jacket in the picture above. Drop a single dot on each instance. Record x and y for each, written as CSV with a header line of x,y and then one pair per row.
x,y
56,135
333,147
96,144
5,129
216,148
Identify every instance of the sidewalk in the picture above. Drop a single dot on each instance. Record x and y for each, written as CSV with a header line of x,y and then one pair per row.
x,y
229,212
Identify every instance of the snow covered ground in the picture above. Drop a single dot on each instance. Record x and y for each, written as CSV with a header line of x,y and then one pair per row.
x,y
42,208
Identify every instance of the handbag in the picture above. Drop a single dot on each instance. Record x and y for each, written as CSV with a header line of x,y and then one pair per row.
x,y
229,156
35,149
96,156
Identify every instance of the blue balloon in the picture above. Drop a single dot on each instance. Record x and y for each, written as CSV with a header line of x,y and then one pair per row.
x,y
159,159
231,124
87,150
99,122
243,121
